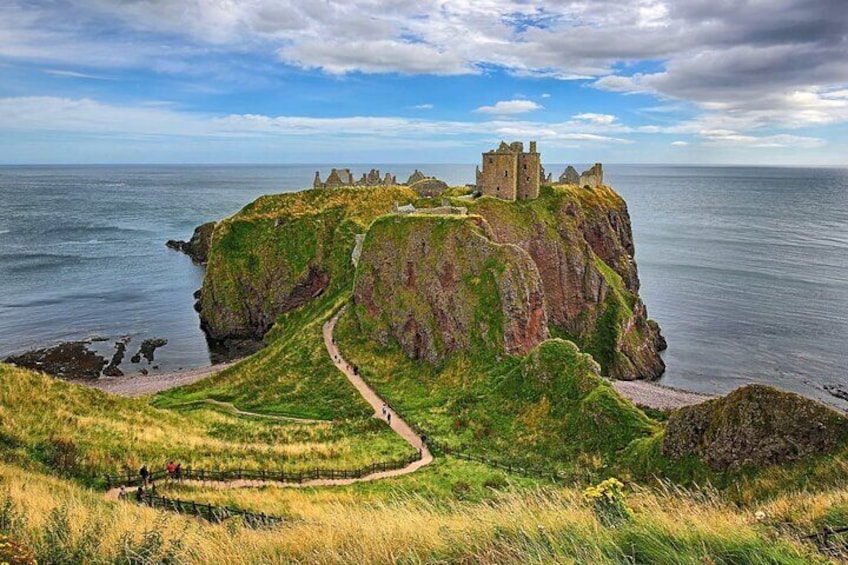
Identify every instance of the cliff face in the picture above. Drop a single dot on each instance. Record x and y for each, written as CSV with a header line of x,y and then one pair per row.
x,y
198,246
566,257
282,251
439,284
581,242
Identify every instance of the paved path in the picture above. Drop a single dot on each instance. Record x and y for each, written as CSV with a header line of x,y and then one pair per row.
x,y
398,425
658,397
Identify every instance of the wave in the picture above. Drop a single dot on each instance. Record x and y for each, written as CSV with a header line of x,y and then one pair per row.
x,y
5,231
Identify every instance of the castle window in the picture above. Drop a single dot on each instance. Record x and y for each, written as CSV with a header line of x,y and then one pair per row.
x,y
525,166
491,160
506,174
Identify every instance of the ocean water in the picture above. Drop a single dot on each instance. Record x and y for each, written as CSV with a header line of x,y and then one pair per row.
x,y
745,269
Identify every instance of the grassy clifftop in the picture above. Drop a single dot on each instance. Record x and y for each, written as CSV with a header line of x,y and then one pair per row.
x,y
282,251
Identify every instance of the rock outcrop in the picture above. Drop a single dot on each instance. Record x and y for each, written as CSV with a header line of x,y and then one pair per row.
x,y
71,360
583,247
282,251
198,246
439,284
754,425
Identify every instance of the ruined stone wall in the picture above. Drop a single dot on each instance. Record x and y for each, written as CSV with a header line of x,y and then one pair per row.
x,y
593,177
529,173
499,175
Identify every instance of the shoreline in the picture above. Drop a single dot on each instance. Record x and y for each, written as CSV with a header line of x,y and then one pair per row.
x,y
641,393
134,386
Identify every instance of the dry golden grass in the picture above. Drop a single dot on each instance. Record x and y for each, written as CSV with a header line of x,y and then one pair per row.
x,y
525,525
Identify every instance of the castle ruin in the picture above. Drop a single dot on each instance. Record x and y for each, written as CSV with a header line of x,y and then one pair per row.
x,y
511,174
343,177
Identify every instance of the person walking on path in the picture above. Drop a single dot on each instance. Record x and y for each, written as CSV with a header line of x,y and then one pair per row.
x,y
178,471
171,468
139,494
145,474
423,440
122,494
384,410
389,418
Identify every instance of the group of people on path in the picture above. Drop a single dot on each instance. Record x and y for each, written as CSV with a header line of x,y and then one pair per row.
x,y
175,472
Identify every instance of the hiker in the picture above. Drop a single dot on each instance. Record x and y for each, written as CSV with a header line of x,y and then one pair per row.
x,y
384,410
389,418
178,471
423,440
122,493
139,494
171,468
145,474
152,488
356,370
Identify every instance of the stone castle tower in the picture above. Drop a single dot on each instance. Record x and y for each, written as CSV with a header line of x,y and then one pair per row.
x,y
510,173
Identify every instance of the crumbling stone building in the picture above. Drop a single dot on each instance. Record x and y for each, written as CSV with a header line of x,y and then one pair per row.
x,y
510,173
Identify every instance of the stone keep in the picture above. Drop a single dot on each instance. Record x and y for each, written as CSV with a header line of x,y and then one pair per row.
x,y
511,174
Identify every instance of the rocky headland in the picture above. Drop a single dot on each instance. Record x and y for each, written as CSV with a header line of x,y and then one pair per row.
x,y
197,247
560,265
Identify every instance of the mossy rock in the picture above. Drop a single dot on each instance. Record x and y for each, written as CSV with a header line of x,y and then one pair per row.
x,y
755,425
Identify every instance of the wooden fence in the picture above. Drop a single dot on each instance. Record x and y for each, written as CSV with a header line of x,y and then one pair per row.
x,y
263,475
831,541
208,512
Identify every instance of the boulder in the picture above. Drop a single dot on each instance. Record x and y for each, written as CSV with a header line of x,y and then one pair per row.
x,y
755,425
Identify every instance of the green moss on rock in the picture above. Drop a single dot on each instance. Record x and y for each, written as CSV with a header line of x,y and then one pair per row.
x,y
439,284
755,425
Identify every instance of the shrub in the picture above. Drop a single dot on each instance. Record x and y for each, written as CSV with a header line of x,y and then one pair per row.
x,y
608,502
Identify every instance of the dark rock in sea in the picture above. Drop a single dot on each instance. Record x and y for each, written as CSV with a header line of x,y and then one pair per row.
x,y
147,348
837,391
71,360
143,371
112,369
198,246
755,425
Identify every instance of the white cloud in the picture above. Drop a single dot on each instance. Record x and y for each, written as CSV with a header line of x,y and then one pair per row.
x,y
722,137
87,116
424,107
680,143
73,74
595,118
510,107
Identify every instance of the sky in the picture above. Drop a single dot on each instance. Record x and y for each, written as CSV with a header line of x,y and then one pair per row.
x,y
424,81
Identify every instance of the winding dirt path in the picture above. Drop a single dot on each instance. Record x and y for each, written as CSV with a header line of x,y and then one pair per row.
x,y
231,408
398,425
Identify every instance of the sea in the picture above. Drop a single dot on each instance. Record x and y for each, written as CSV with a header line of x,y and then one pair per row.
x,y
744,268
